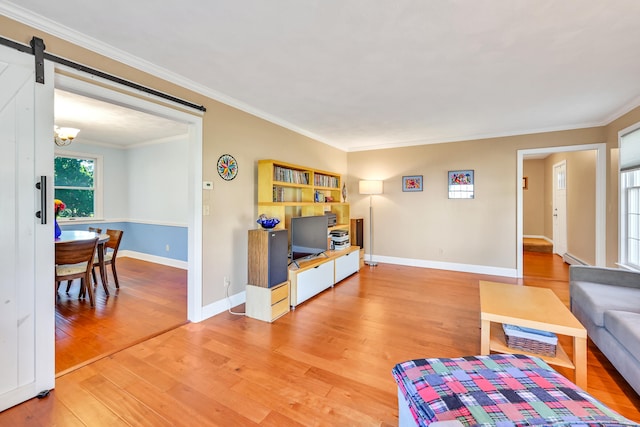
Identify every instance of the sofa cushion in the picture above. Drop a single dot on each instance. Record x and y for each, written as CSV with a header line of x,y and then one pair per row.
x,y
625,327
596,298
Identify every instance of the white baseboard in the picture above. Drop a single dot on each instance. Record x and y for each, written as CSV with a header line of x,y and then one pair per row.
x,y
451,266
572,260
154,258
223,305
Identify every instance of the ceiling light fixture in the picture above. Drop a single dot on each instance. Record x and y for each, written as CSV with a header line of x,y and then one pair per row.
x,y
63,136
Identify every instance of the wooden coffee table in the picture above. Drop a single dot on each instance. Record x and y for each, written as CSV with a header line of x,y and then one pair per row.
x,y
531,307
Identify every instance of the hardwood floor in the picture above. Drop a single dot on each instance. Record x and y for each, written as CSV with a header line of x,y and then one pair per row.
x,y
151,300
326,363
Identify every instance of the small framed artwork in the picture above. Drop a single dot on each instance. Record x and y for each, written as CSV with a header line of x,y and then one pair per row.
x,y
412,183
461,184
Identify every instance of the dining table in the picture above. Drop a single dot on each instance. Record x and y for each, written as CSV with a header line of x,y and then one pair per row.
x,y
74,235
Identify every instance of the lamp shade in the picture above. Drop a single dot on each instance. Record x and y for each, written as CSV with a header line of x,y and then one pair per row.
x,y
370,187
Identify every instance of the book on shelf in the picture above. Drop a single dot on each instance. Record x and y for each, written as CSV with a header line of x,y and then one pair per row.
x,y
320,180
290,175
278,194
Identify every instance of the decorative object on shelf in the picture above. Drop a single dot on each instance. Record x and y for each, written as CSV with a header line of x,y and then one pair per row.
x,y
227,167
63,136
371,188
461,184
58,206
344,192
412,183
267,223
319,197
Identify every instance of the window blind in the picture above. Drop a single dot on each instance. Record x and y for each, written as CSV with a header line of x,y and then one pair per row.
x,y
630,151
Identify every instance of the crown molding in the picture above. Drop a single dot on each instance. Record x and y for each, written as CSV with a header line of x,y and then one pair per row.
x,y
634,103
474,137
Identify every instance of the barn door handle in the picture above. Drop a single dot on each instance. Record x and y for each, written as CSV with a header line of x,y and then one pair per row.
x,y
42,186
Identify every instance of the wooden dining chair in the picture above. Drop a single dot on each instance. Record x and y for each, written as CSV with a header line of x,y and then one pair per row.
x,y
110,252
74,260
93,230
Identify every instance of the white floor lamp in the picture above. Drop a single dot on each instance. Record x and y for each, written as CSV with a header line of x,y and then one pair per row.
x,y
370,188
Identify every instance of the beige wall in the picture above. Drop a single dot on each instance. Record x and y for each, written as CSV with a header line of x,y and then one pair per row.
x,y
225,130
429,226
533,218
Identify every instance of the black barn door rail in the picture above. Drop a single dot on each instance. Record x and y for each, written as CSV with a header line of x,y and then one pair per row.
x,y
37,49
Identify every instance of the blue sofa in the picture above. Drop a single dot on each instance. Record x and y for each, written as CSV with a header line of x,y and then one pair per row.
x,y
607,303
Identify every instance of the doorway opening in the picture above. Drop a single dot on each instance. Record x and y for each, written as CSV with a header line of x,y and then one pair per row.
x,y
138,216
599,197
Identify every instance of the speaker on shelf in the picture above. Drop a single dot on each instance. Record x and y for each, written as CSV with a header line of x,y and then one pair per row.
x,y
268,257
356,232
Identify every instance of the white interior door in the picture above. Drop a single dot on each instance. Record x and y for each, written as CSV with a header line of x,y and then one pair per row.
x,y
26,265
560,208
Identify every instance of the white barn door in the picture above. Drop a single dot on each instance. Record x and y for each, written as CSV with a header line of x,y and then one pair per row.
x,y
27,334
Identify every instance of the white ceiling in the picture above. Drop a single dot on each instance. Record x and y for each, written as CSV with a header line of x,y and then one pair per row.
x,y
105,123
363,74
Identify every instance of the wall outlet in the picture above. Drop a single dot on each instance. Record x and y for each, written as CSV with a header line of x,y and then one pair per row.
x,y
167,248
226,282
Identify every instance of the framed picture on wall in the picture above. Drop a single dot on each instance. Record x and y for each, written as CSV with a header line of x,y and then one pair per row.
x,y
461,184
412,183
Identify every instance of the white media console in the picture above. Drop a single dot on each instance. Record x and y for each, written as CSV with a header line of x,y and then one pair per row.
x,y
315,275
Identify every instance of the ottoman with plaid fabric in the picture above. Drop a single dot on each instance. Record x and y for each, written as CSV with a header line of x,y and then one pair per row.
x,y
503,390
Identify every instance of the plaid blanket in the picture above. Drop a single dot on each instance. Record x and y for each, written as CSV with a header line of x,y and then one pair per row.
x,y
502,390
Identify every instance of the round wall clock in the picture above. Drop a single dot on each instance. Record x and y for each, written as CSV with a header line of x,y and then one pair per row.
x,y
227,167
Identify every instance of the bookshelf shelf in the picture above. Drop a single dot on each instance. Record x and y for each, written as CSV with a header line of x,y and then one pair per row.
x,y
287,190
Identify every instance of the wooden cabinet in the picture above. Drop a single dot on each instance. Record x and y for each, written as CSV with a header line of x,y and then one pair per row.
x,y
316,275
267,304
286,190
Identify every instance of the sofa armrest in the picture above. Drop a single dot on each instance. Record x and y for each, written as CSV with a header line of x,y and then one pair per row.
x,y
605,276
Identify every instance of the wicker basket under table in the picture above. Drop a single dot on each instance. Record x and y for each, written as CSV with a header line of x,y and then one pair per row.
x,y
532,346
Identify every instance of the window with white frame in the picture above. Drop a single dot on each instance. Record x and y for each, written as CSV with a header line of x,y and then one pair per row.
x,y
630,199
77,184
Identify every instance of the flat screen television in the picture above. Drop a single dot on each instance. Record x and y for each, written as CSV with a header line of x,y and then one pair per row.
x,y
308,236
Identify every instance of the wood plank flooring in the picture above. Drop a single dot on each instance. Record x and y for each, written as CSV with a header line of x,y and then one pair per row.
x,y
328,363
152,299
530,244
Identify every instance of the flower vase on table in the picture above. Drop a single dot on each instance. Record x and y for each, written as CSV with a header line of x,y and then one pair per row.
x,y
58,231
58,206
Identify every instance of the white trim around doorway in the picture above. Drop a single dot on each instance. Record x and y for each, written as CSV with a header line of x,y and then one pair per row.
x,y
601,182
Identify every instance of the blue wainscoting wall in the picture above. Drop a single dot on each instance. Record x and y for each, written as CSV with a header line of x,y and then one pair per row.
x,y
149,239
